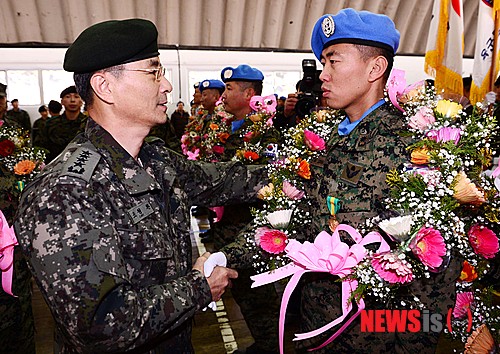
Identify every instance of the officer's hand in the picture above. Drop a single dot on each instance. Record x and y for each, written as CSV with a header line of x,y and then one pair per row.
x,y
198,265
290,103
219,280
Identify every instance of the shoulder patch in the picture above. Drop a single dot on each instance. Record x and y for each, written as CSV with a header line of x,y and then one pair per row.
x,y
81,163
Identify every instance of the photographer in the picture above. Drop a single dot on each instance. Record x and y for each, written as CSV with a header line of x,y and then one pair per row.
x,y
307,97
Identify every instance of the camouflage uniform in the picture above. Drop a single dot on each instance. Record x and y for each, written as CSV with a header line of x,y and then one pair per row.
x,y
354,170
22,118
259,306
108,242
60,131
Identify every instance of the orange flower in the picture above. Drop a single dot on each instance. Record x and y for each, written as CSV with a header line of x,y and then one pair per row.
x,y
250,155
214,126
223,137
468,273
304,170
466,191
24,167
420,156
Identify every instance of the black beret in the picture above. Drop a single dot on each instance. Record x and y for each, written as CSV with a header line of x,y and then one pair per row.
x,y
67,91
111,43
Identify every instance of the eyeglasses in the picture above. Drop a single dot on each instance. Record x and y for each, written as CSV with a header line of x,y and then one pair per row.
x,y
159,71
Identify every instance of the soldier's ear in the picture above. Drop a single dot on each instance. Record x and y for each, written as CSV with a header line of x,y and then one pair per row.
x,y
378,65
102,87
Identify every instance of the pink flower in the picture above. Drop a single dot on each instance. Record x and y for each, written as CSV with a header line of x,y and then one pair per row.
x,y
463,302
292,192
313,141
483,241
391,268
273,241
259,232
219,150
193,155
428,245
445,134
422,119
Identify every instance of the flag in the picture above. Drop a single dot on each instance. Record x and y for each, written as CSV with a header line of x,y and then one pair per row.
x,y
484,72
445,46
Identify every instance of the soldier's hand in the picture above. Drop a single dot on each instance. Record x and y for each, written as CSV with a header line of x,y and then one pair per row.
x,y
290,103
219,280
198,265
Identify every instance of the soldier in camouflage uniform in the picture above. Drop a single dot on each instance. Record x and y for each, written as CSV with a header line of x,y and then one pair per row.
x,y
106,225
357,49
259,306
60,130
17,333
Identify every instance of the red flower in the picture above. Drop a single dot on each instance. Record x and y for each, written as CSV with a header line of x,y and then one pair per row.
x,y
217,149
273,241
483,241
7,147
250,155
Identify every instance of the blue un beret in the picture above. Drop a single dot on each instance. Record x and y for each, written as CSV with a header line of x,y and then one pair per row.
x,y
111,43
356,27
241,73
212,84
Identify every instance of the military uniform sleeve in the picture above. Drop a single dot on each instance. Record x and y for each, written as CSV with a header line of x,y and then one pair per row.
x,y
76,254
220,183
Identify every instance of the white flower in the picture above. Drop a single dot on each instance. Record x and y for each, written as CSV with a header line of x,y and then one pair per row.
x,y
397,227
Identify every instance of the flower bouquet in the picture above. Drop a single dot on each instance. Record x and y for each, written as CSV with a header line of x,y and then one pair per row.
x,y
206,134
20,161
259,136
445,205
277,221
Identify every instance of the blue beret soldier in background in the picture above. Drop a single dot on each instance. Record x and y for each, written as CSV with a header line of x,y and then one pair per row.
x,y
106,225
356,49
259,306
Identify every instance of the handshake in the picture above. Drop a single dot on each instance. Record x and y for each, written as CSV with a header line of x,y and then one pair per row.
x,y
213,266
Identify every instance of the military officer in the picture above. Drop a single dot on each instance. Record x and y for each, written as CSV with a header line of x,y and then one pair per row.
x,y
105,227
357,49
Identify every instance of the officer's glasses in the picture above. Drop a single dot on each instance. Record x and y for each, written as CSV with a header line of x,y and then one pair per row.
x,y
159,71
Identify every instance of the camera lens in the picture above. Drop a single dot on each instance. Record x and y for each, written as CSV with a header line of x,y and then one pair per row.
x,y
304,105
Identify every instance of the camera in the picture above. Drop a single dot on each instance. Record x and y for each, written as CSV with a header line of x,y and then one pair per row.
x,y
310,88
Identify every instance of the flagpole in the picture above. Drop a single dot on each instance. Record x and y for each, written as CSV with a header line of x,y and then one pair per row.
x,y
496,22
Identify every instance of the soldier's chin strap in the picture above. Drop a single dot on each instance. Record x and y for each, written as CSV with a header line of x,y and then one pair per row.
x,y
7,242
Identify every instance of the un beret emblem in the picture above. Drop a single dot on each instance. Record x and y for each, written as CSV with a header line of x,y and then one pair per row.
x,y
328,26
206,83
228,73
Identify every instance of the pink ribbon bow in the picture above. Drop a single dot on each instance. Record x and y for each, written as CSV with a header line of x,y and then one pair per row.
x,y
327,254
7,242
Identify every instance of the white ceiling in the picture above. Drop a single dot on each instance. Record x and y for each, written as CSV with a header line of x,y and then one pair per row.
x,y
227,24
